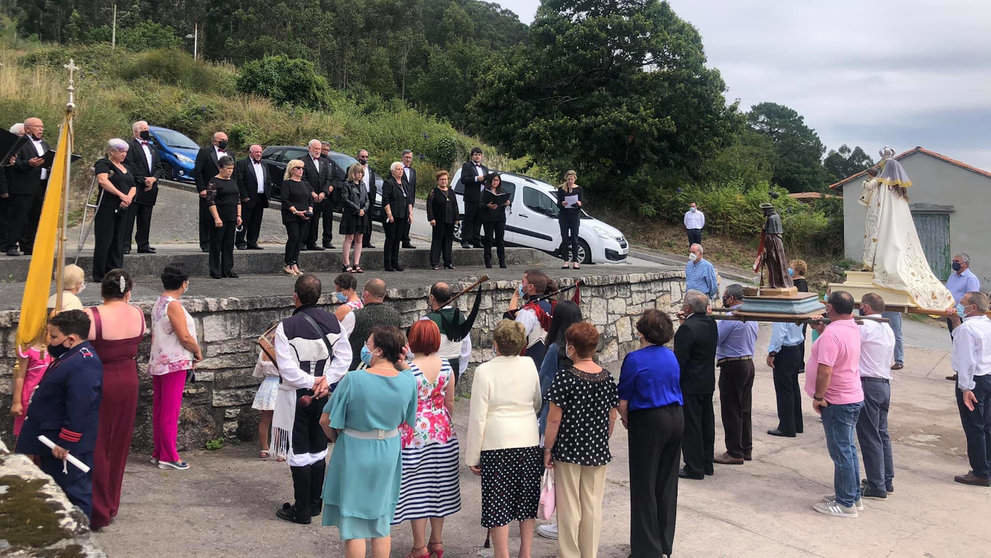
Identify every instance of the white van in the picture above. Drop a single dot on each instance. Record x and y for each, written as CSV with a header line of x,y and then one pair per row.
x,y
531,221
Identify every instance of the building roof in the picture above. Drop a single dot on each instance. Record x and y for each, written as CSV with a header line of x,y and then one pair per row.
x,y
923,150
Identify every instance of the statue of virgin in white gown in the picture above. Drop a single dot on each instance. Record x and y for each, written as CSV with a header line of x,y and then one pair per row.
x,y
891,244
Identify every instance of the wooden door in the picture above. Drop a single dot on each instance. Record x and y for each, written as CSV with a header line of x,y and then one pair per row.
x,y
934,234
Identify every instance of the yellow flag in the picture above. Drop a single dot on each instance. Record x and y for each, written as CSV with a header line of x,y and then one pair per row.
x,y
35,301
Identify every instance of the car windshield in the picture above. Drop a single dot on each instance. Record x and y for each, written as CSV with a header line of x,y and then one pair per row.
x,y
342,160
173,138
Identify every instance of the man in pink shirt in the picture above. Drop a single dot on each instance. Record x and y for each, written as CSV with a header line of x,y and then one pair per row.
x,y
832,378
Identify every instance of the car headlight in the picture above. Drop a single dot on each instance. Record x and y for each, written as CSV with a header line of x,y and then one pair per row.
x,y
183,159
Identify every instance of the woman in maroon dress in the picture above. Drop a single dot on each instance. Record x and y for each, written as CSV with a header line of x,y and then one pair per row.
x,y
117,328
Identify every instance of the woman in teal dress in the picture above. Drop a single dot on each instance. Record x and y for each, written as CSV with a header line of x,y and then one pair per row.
x,y
362,483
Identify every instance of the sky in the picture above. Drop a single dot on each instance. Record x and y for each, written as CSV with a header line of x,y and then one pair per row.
x,y
867,73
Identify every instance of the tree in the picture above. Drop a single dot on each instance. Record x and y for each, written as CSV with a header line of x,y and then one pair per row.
x,y
843,162
284,80
798,150
608,89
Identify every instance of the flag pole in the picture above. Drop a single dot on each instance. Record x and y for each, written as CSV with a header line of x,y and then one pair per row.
x,y
64,217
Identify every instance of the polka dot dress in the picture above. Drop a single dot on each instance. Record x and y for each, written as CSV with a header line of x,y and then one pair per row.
x,y
585,400
510,485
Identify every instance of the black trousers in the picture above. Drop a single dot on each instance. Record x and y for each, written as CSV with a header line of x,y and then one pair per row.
x,y
495,232
308,438
296,231
252,219
390,252
108,252
222,249
441,238
736,383
77,485
206,225
367,241
322,212
786,389
37,202
569,222
5,218
406,226
470,225
140,215
977,426
694,236
700,433
18,211
655,445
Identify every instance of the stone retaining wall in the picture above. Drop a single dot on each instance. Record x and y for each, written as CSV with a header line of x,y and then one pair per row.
x,y
218,403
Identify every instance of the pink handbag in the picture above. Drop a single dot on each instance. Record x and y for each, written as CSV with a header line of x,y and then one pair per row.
x,y
547,495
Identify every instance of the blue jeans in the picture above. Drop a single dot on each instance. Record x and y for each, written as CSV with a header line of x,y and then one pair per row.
x,y
839,423
872,433
895,321
977,426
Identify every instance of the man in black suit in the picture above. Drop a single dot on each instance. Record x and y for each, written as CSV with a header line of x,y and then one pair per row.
x,y
18,130
26,186
205,169
695,347
333,201
473,174
317,173
145,166
255,185
372,187
409,177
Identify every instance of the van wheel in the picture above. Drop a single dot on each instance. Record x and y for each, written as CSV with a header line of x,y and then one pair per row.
x,y
584,252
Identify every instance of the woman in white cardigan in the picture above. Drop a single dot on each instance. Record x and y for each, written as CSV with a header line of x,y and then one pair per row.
x,y
503,445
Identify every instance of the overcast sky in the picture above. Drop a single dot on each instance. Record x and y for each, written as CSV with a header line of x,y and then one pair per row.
x,y
868,73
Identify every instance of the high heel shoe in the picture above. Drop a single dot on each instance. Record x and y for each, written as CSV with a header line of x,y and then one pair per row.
x,y
436,549
413,554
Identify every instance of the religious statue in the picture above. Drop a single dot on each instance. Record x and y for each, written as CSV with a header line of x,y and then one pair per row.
x,y
771,253
891,244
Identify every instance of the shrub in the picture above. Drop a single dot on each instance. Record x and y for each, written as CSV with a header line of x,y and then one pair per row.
x,y
285,80
149,35
442,151
178,68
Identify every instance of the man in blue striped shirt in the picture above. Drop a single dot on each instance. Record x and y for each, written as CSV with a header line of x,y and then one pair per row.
x,y
700,275
734,357
784,356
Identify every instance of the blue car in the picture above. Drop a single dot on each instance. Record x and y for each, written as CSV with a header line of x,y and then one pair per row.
x,y
177,151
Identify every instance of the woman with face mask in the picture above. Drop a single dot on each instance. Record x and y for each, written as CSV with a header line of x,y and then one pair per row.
x,y
346,296
174,350
117,191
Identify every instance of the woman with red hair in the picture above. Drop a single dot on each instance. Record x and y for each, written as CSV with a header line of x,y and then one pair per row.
x,y
429,489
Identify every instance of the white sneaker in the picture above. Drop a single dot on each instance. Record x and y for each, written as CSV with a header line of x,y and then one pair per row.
x,y
548,531
859,504
178,465
153,461
835,509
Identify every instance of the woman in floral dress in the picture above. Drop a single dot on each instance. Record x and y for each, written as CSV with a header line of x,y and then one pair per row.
x,y
430,489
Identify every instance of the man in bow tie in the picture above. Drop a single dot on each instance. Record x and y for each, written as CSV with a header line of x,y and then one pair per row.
x,y
145,166
205,169
27,183
473,175
253,181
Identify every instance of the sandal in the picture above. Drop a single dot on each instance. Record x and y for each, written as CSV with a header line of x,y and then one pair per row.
x,y
357,269
566,265
413,554
288,270
436,549
264,454
575,266
346,269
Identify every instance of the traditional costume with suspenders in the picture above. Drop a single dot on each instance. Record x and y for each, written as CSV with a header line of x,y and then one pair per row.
x,y
455,338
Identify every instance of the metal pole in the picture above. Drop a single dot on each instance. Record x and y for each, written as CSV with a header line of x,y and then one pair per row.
x,y
70,107
113,32
196,38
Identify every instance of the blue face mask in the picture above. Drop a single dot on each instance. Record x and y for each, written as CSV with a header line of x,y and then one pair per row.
x,y
366,355
791,272
341,299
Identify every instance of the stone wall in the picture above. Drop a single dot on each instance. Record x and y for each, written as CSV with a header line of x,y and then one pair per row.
x,y
218,403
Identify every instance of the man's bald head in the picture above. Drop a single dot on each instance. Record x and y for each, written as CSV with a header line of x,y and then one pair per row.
x,y
440,294
374,291
34,127
219,137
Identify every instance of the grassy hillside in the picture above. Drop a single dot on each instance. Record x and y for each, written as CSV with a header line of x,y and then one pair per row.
x,y
168,88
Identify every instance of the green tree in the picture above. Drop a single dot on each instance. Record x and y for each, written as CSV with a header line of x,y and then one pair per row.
x,y
798,149
149,35
284,80
844,162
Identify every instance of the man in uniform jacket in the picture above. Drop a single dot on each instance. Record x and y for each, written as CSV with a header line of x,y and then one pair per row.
x,y
145,166
255,184
409,177
204,169
318,174
369,180
27,181
472,178
695,347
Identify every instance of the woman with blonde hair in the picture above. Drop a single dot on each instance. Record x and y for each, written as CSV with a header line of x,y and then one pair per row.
x,y
354,217
117,191
569,201
297,210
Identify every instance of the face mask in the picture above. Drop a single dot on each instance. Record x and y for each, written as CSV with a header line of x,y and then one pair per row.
x,y
692,257
341,299
145,135
82,288
57,350
520,290
366,355
956,266
692,209
222,144
791,272
960,311
363,161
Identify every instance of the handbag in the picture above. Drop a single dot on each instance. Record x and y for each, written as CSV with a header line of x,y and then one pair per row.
x,y
547,495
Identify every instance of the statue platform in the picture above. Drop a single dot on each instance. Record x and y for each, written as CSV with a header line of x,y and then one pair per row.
x,y
859,283
779,304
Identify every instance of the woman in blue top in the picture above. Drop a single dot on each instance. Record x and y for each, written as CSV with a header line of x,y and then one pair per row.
x,y
650,407
362,483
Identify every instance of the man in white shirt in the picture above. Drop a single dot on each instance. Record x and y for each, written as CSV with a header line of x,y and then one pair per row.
x,y
694,221
972,362
877,343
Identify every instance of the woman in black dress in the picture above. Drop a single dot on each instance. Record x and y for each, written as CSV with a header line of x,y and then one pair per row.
x,y
398,206
297,210
354,216
569,201
442,213
493,217
116,194
223,200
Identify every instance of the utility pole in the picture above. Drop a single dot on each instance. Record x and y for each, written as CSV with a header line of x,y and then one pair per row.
x,y
113,32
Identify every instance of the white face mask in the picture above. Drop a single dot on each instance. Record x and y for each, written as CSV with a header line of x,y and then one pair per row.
x,y
692,257
692,209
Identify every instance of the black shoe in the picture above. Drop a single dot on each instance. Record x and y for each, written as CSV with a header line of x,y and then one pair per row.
x,y
232,275
952,378
13,252
776,432
465,245
205,250
682,473
127,251
448,266
488,265
254,247
435,267
387,268
408,245
502,265
315,248
889,489
399,268
368,246
215,276
328,246
710,472
874,494
148,250
241,246
288,513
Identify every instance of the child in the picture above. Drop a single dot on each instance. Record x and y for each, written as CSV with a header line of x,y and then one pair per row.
x,y
66,406
265,399
31,365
